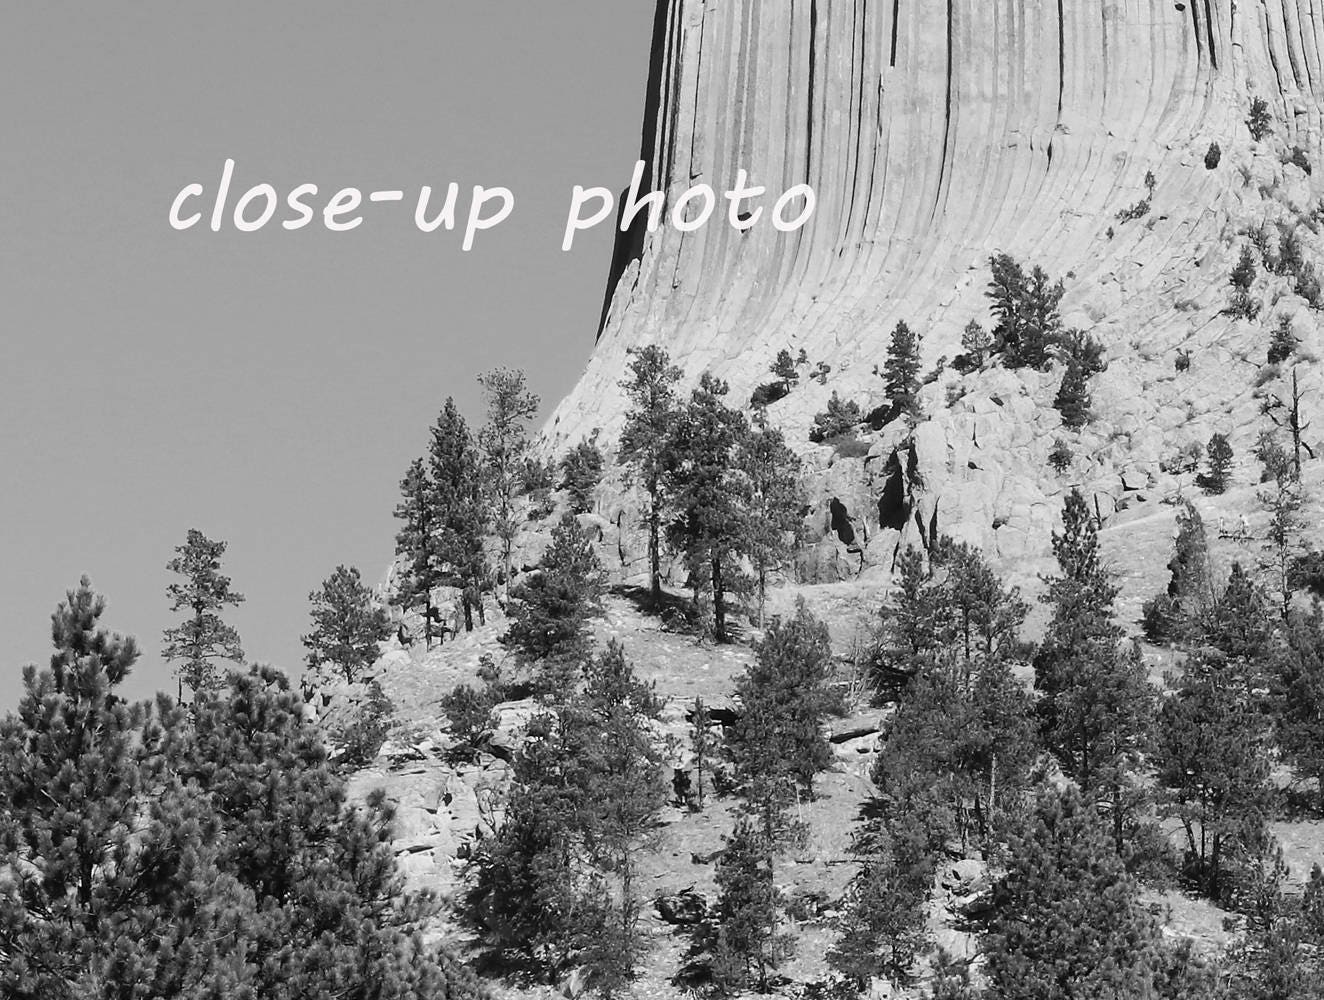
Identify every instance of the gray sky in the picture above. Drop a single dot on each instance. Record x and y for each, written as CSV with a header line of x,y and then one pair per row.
x,y
270,388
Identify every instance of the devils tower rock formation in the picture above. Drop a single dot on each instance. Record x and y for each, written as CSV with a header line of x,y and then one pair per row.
x,y
934,135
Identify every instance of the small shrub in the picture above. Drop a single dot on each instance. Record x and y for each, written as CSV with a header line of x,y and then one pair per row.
x,y
1307,285
822,372
1266,375
1082,349
840,416
1307,572
1160,618
1061,456
850,445
1132,212
976,343
362,739
1283,343
1297,157
581,471
768,393
1183,360
1289,259
1213,156
1259,122
1187,459
1242,305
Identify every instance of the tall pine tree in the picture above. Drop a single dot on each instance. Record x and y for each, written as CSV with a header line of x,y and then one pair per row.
x,y
203,637
460,510
643,446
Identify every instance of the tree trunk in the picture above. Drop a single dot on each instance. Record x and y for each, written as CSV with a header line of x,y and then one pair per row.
x,y
654,555
719,602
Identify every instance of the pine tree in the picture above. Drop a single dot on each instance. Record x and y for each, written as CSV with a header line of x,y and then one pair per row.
x,y
1298,681
784,368
772,518
707,495
624,794
901,372
417,543
504,440
883,925
1282,542
746,943
784,699
75,771
460,511
651,391
1214,768
1097,704
1219,453
1241,625
581,472
976,342
196,643
1069,924
549,620
842,416
328,915
347,625
1283,343
1026,308
1073,397
1183,610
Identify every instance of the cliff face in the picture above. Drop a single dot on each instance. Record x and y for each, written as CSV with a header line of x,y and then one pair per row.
x,y
934,134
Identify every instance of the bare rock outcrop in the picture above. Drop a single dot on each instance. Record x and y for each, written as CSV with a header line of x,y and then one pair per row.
x,y
934,135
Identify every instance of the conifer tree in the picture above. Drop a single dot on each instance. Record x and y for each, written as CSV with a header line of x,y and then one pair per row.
x,y
1214,768
1073,397
901,372
581,472
1097,704
1282,345
417,543
976,343
747,944
76,772
623,794
347,625
883,925
1026,308
504,440
328,915
1191,582
1298,674
460,511
643,448
707,495
784,700
1069,924
772,518
1219,453
1282,543
784,368
203,637
549,620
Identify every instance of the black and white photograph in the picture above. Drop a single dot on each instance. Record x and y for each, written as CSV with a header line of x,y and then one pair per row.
x,y
662,500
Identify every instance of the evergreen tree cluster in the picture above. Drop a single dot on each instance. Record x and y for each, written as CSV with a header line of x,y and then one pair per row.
x,y
718,492
150,851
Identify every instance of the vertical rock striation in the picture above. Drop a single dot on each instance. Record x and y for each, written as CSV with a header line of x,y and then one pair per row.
x,y
936,132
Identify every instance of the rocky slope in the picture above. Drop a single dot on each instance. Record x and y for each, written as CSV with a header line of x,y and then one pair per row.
x,y
935,134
